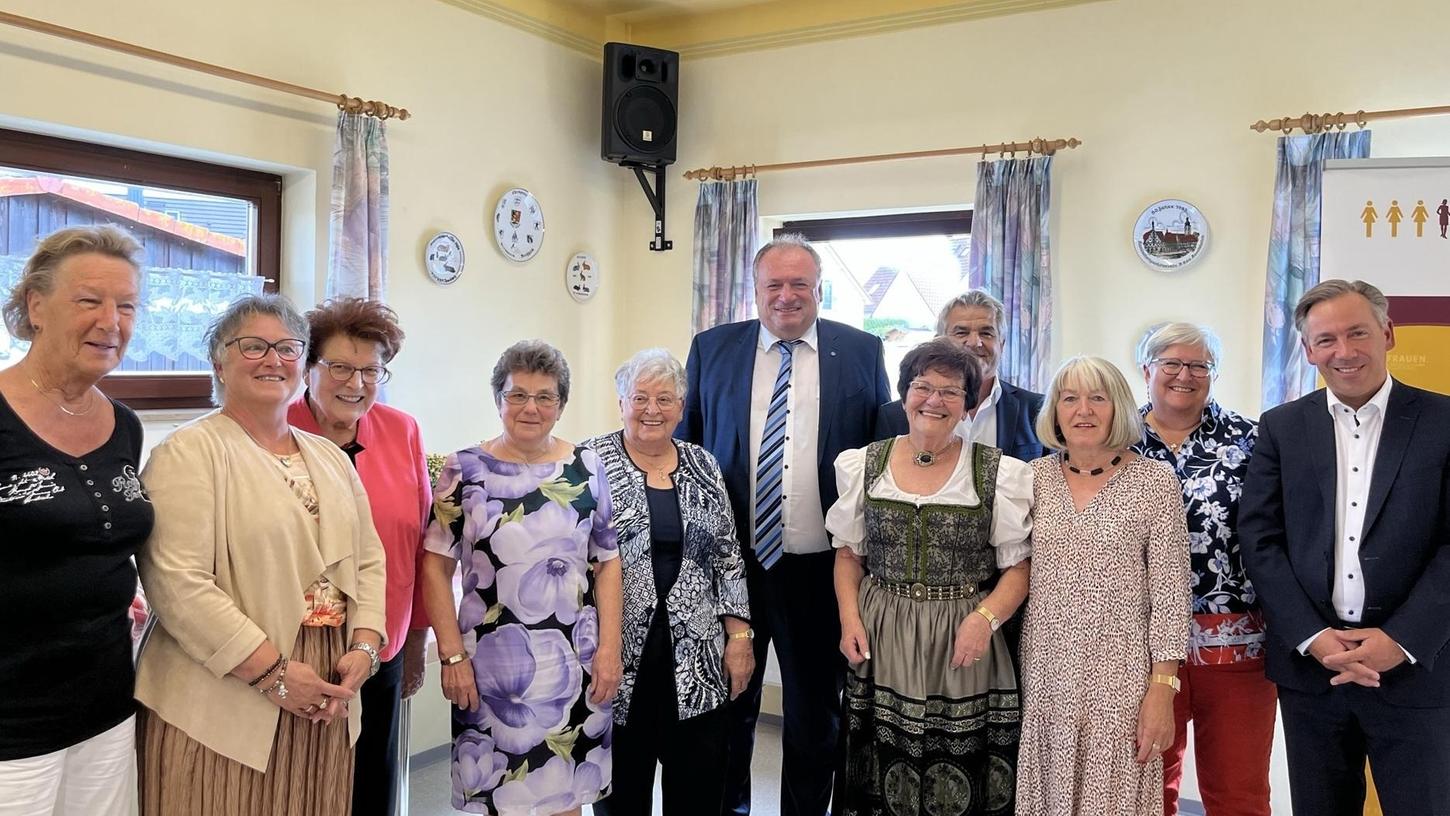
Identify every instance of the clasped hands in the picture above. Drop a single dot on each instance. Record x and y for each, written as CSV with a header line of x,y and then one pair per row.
x,y
1356,655
972,641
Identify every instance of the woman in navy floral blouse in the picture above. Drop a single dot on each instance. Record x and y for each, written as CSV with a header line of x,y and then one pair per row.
x,y
1225,693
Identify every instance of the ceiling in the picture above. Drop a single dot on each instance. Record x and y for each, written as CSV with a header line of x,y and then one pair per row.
x,y
701,28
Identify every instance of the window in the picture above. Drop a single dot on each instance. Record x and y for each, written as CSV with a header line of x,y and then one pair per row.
x,y
210,234
890,275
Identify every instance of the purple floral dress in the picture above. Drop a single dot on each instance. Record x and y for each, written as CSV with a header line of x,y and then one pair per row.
x,y
526,535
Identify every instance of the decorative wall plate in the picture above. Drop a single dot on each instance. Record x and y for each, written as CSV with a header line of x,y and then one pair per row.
x,y
518,225
581,276
1170,234
444,258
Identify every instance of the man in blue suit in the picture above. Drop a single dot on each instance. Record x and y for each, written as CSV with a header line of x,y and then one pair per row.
x,y
775,400
1005,416
1345,529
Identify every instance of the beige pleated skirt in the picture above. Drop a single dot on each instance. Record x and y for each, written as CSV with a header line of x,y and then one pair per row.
x,y
309,774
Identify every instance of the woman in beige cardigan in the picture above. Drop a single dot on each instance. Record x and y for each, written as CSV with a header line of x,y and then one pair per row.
x,y
267,579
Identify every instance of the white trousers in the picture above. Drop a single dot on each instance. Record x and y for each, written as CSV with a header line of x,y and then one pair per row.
x,y
96,777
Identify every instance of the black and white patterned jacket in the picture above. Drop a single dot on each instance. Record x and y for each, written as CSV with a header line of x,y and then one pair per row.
x,y
712,574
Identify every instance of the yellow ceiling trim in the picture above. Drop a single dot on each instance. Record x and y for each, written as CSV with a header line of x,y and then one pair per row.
x,y
777,25
554,22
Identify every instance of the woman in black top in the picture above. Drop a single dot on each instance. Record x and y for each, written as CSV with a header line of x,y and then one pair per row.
x,y
73,514
686,631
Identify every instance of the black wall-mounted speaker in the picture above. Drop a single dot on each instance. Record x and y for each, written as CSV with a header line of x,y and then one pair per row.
x,y
641,90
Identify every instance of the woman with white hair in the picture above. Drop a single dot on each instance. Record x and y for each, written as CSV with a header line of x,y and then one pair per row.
x,y
686,622
1225,693
1107,614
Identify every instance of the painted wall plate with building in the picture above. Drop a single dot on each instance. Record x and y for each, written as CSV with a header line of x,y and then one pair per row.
x,y
581,276
518,225
1170,234
444,258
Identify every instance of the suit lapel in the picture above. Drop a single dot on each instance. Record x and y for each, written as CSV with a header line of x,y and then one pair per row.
x,y
1319,431
1007,409
829,362
1399,423
742,359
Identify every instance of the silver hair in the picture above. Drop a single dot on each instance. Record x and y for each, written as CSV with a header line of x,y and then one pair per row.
x,y
972,298
648,366
531,357
1084,373
223,330
790,240
1167,335
39,273
1333,288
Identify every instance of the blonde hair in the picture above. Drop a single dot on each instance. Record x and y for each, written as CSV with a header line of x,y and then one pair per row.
x,y
1083,373
50,253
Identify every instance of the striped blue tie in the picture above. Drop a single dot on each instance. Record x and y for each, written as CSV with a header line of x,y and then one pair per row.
x,y
769,467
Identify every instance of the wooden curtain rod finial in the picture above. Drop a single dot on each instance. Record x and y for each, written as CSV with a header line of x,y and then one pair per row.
x,y
371,107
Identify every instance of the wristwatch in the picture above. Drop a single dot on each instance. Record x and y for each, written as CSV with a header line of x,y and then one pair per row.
x,y
1167,680
372,653
748,634
993,620
452,660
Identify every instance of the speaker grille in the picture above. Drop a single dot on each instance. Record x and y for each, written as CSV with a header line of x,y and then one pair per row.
x,y
645,119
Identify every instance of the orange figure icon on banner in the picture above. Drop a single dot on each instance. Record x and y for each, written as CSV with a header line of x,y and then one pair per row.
x,y
1394,215
1444,212
1420,216
1368,216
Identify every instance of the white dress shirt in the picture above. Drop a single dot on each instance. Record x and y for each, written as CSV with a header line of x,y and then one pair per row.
x,y
1356,445
982,426
804,524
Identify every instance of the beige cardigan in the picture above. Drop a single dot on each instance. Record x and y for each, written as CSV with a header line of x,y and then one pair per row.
x,y
226,566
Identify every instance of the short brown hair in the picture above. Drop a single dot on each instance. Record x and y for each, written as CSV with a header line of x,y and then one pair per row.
x,y
1333,288
54,249
363,319
944,357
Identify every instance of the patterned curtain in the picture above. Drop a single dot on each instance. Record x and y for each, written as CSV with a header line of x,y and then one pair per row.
x,y
1012,259
1294,254
725,244
358,233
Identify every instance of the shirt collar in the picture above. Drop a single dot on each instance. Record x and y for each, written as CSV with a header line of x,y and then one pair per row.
x,y
1380,400
768,340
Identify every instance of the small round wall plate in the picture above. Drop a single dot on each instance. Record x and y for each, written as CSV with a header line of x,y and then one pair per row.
x,y
581,276
444,258
518,225
1170,234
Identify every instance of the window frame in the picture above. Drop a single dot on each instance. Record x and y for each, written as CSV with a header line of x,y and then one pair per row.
x,y
50,154
894,225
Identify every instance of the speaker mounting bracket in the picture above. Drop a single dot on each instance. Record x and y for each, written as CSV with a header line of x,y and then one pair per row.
x,y
656,198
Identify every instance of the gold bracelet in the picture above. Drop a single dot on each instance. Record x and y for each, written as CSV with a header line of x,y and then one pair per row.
x,y
992,619
454,659
1167,680
748,634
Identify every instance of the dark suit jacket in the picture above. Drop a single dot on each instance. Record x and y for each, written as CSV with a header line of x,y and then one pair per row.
x,y
1016,422
717,405
1286,529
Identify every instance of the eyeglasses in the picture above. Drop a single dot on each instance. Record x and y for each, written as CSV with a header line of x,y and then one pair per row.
x,y
543,399
664,402
924,391
342,372
255,348
1171,367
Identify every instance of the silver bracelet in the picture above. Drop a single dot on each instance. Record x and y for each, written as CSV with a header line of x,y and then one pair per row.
x,y
371,653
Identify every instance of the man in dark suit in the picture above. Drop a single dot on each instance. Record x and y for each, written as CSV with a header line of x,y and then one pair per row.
x,y
1345,528
1005,416
775,400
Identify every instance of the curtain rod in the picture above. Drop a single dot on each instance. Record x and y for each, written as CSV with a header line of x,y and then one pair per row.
x,y
1045,147
1320,122
353,104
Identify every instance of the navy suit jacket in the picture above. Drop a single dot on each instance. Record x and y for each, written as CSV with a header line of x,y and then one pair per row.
x,y
717,405
1016,422
1286,529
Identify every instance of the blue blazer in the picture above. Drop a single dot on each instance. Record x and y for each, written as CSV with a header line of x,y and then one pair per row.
x,y
717,405
1016,422
1286,529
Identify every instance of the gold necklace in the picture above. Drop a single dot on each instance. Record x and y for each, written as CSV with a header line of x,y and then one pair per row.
x,y
660,469
926,458
548,447
283,459
90,399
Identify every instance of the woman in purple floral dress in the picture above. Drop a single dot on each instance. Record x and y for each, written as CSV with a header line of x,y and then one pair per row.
x,y
533,662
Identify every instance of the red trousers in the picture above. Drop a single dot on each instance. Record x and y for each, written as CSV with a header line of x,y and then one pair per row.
x,y
1232,707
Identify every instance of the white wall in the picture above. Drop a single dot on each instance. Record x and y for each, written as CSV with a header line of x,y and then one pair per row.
x,y
1161,93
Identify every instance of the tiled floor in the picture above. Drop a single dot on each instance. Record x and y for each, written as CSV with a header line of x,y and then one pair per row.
x,y
430,787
